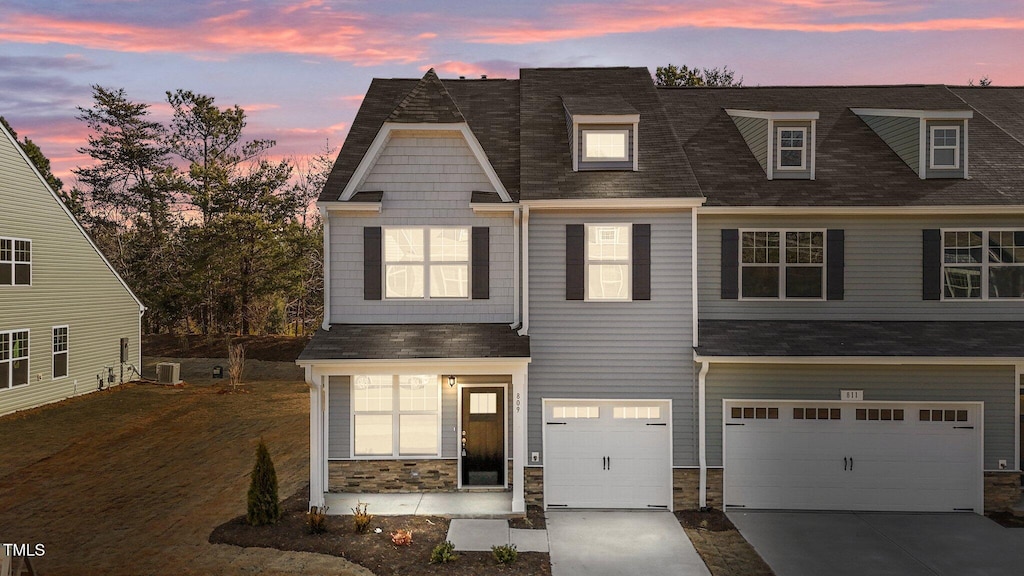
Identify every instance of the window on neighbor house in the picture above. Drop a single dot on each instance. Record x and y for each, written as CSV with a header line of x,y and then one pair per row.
x,y
608,261
13,358
945,147
983,264
60,352
15,262
771,269
426,263
792,149
605,145
382,426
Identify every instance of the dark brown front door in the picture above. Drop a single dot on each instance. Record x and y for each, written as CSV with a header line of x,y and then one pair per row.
x,y
483,436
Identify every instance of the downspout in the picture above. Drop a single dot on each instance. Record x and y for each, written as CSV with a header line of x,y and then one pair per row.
x,y
524,330
702,449
516,320
325,218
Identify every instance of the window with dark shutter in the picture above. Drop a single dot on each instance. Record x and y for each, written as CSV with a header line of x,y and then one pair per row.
x,y
730,263
931,264
641,261
481,263
574,261
835,264
372,272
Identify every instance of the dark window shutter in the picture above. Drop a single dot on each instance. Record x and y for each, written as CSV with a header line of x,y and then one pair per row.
x,y
372,272
730,264
836,264
641,261
931,264
574,264
481,263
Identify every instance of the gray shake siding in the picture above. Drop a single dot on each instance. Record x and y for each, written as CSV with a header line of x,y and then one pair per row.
x,y
903,135
755,133
993,385
882,275
427,180
638,349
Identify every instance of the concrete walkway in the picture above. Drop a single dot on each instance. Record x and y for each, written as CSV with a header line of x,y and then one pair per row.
x,y
882,544
470,535
447,504
615,543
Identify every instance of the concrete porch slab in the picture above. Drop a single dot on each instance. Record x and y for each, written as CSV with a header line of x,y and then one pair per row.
x,y
447,504
377,504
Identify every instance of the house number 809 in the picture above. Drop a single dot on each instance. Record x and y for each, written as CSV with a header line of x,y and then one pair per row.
x,y
519,402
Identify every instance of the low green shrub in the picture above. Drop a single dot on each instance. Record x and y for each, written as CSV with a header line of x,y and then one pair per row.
x,y
443,553
506,554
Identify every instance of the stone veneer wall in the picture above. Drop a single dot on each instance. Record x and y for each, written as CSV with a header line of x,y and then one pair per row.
x,y
1002,490
380,476
686,488
534,486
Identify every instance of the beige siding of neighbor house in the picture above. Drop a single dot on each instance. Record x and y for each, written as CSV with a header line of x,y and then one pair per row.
x,y
71,286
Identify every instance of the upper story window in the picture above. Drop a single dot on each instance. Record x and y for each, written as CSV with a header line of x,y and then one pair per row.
x,y
426,262
605,145
771,269
15,262
792,149
608,261
13,358
60,352
983,264
945,147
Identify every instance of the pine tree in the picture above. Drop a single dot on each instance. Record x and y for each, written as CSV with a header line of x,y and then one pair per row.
x,y
264,507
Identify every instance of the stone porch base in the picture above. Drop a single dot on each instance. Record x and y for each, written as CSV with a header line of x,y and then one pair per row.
x,y
389,476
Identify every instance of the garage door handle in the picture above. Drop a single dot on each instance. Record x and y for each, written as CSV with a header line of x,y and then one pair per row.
x,y
735,424
604,463
657,424
963,427
851,463
557,423
844,462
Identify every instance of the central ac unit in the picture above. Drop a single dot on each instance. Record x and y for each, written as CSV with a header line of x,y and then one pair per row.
x,y
168,373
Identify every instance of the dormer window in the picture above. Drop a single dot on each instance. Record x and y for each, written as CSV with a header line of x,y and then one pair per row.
x,y
792,149
605,145
945,147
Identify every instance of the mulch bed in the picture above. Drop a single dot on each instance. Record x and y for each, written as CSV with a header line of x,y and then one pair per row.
x,y
1006,519
373,551
720,544
534,520
268,348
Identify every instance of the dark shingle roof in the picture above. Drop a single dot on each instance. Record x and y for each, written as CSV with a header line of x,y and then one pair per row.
x,y
490,107
854,167
596,104
860,338
1003,107
411,341
546,159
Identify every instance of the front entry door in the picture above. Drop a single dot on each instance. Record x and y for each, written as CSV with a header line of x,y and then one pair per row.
x,y
483,436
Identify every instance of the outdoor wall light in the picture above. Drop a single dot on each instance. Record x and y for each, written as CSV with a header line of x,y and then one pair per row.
x,y
451,381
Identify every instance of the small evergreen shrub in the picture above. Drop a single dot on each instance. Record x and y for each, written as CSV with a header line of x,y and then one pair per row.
x,y
361,517
264,507
443,553
505,554
316,520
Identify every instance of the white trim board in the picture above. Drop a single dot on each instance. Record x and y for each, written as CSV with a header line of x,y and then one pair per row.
x,y
860,360
615,203
765,115
384,135
863,210
923,114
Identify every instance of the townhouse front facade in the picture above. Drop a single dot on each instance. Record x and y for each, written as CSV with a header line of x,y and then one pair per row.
x,y
597,293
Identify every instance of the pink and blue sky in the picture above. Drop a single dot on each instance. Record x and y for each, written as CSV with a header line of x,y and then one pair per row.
x,y
300,67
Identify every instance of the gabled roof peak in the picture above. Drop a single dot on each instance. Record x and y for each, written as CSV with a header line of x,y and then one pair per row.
x,y
428,102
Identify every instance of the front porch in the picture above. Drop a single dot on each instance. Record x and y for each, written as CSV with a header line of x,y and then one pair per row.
x,y
448,504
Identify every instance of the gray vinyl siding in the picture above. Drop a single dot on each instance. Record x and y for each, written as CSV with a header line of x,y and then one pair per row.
x,y
779,174
993,385
755,133
604,350
339,417
71,285
627,165
943,173
883,271
427,180
903,135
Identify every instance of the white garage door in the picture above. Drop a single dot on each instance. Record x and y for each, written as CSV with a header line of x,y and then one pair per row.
x,y
853,456
607,454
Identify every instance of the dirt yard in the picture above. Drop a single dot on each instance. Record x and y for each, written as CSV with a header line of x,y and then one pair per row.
x,y
133,480
720,544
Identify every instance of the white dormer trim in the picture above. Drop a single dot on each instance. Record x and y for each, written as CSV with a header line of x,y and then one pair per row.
x,y
923,114
384,135
606,118
765,115
598,119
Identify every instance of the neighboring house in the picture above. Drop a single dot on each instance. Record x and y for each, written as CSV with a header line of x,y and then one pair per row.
x,y
68,323
596,293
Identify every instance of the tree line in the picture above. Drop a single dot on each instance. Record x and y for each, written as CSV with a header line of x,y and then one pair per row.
x,y
210,233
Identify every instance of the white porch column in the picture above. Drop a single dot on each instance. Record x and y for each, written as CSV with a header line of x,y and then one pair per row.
x,y
316,439
519,386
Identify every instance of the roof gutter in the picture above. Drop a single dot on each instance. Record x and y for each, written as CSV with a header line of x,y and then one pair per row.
x,y
876,360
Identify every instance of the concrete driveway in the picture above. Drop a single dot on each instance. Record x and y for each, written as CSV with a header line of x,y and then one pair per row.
x,y
881,544
603,543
